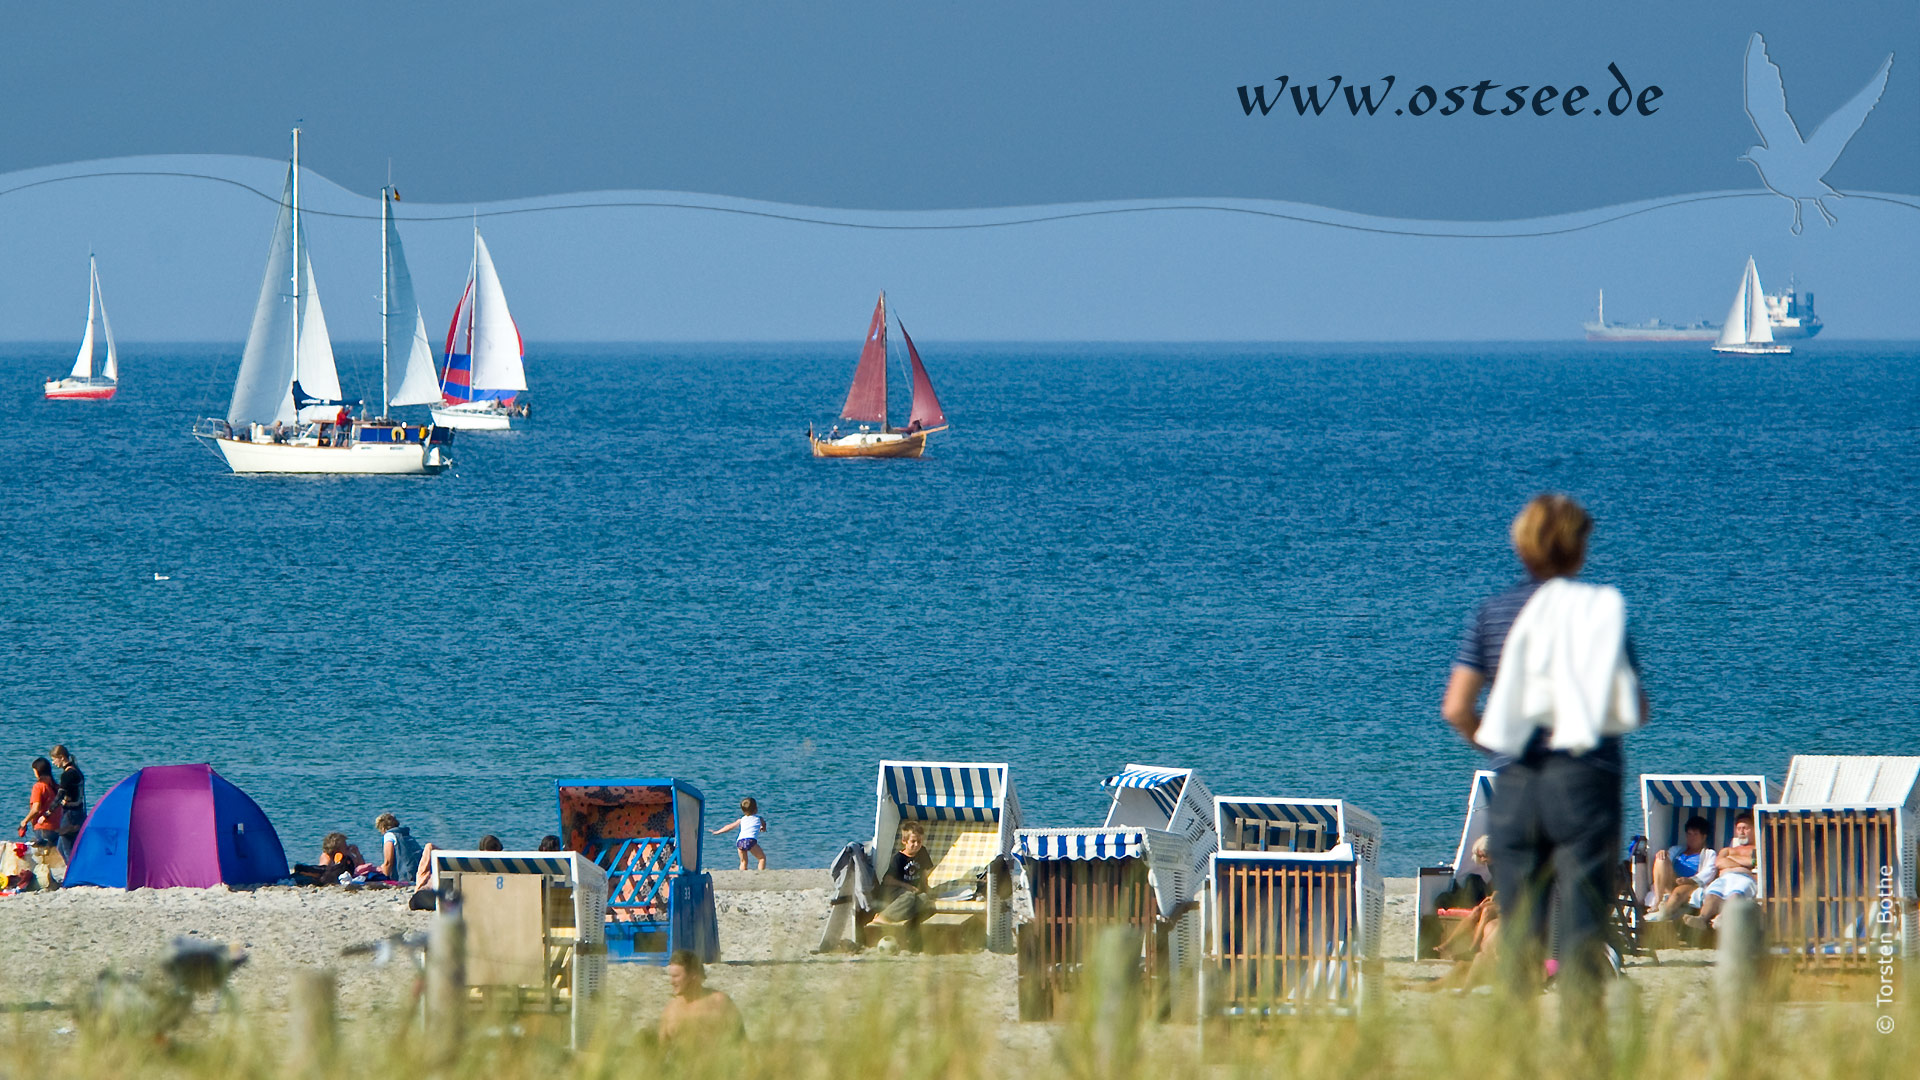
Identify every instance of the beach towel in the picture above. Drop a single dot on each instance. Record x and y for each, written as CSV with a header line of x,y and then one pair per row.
x,y
1563,668
853,886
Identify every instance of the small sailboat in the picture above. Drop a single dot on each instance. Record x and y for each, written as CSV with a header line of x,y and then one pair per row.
x,y
286,414
1747,331
867,403
484,372
82,384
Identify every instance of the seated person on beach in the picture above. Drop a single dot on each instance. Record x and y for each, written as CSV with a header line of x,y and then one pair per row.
x,y
1681,869
549,842
695,1012
337,858
399,851
424,897
1464,939
1733,874
903,894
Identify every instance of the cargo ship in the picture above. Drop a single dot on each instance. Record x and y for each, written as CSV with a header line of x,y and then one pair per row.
x,y
1790,314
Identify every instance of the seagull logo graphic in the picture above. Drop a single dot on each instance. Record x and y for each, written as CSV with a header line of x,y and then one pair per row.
x,y
1790,166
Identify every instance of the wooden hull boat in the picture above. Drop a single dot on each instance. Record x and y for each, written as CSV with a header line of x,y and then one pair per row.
x,y
870,444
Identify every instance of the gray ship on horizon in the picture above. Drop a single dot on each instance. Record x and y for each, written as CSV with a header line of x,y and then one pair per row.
x,y
1789,314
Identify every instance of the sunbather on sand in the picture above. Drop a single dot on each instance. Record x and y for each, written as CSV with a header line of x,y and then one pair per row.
x,y
696,1013
904,893
1733,874
1681,869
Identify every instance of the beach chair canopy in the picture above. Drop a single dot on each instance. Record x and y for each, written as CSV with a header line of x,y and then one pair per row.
x,y
1157,788
1479,804
1166,855
176,825
1668,800
597,815
1820,780
1256,823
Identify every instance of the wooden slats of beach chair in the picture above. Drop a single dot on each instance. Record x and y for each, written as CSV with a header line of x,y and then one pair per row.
x,y
1286,932
1822,880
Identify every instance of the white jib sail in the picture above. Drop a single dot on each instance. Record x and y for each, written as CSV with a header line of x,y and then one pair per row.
x,y
83,363
496,341
1734,332
261,391
407,331
315,371
111,368
1759,329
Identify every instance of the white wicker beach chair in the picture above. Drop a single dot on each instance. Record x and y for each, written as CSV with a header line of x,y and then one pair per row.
x,y
1668,800
1836,858
1177,801
1073,885
969,813
536,928
1256,824
1287,932
1435,880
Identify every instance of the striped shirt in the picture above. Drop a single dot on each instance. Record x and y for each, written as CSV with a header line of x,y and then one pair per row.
x,y
1487,630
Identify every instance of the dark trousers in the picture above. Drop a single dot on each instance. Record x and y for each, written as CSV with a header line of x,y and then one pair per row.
x,y
1555,822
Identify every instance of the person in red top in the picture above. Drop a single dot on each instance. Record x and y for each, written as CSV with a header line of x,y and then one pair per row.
x,y
43,814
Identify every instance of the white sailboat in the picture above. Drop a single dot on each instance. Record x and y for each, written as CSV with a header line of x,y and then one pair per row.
x,y
406,329
82,384
1747,331
484,372
286,414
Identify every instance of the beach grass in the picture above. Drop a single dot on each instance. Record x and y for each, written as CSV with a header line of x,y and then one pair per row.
x,y
918,1021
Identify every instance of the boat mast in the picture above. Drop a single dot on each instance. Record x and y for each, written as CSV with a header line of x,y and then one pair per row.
x,y
296,275
385,209
473,301
884,359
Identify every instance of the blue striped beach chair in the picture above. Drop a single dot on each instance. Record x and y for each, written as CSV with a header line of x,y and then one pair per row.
x,y
646,835
1293,906
969,813
1435,880
1072,886
1668,800
536,925
1836,858
1176,801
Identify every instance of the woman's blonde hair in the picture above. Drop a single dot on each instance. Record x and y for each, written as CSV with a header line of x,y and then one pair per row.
x,y
1550,535
386,822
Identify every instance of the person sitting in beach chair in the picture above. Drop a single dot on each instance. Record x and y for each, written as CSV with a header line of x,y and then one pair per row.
x,y
904,893
1733,874
1465,938
1682,869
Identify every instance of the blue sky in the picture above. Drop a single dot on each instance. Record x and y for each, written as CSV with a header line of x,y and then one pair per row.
x,y
884,108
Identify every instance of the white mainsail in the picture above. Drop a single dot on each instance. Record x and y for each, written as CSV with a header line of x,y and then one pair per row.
x,y
495,340
262,392
1734,331
1759,328
83,363
406,330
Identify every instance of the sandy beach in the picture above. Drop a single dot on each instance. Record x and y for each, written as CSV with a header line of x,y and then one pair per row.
x,y
769,922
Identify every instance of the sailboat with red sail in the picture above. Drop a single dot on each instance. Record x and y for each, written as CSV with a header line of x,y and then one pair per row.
x,y
866,408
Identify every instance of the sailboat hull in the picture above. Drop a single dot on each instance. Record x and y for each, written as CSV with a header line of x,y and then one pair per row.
x,y
1754,350
890,444
479,417
71,389
359,459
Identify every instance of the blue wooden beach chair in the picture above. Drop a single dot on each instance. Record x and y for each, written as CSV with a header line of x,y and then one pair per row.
x,y
1836,860
646,835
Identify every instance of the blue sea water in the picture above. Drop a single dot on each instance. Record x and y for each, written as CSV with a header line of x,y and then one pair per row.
x,y
1252,560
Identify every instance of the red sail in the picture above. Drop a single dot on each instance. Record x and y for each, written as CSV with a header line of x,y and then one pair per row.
x,y
926,407
867,397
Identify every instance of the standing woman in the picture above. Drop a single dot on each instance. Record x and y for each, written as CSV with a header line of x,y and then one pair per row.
x,y
72,785
43,816
1565,687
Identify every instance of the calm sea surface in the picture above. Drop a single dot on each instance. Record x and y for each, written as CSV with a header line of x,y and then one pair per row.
x,y
1251,560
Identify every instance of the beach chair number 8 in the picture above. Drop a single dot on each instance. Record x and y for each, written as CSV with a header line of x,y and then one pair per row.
x,y
499,881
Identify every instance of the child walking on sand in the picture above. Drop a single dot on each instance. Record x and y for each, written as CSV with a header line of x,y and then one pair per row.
x,y
751,825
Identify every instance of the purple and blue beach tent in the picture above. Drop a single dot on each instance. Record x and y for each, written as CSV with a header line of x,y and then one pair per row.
x,y
176,825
